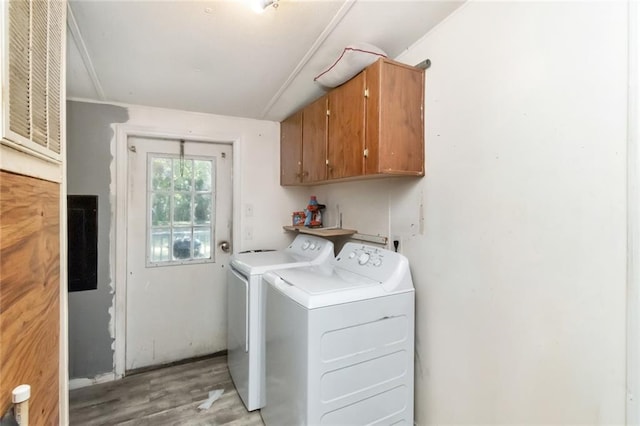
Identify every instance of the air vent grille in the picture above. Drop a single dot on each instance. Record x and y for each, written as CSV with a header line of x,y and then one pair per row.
x,y
35,59
19,68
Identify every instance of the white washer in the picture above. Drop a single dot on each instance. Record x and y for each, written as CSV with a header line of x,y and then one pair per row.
x,y
340,340
245,309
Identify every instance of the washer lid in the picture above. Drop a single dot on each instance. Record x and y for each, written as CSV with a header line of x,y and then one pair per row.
x,y
305,250
319,286
322,279
260,262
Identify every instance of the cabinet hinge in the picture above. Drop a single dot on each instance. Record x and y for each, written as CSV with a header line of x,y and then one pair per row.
x,y
366,152
366,93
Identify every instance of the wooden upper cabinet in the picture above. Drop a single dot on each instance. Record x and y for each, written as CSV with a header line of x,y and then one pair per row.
x,y
314,141
374,126
291,150
346,129
394,123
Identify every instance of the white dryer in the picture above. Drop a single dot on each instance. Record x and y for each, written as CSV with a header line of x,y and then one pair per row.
x,y
245,309
340,341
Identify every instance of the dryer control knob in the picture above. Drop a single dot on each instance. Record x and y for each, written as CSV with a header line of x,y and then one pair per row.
x,y
364,258
352,255
306,245
377,262
312,246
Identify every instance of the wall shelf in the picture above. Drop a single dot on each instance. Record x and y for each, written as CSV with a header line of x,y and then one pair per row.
x,y
321,232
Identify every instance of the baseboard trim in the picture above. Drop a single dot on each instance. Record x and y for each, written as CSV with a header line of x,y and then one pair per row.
x,y
84,382
171,364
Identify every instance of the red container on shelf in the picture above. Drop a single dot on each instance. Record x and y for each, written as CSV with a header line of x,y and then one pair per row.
x,y
298,218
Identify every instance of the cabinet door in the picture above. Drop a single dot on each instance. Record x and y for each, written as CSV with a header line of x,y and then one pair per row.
x,y
395,126
291,150
314,141
346,129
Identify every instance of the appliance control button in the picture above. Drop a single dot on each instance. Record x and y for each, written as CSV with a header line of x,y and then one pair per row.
x,y
312,246
377,262
364,258
306,245
352,255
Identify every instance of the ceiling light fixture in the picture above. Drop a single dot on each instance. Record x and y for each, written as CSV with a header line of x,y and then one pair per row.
x,y
260,6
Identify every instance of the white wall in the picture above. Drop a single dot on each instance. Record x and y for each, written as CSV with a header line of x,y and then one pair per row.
x,y
517,234
633,220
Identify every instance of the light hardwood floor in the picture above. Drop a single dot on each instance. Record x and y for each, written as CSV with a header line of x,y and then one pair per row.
x,y
166,396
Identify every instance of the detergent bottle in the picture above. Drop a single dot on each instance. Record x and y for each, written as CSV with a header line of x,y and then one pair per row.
x,y
313,217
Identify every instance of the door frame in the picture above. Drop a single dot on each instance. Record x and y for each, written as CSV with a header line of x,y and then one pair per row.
x,y
120,194
633,221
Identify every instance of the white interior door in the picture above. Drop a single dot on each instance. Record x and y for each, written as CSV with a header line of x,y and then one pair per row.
x,y
178,215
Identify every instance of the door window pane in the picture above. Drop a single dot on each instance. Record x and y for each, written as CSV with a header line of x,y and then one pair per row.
x,y
202,211
202,175
181,209
203,242
182,248
160,209
160,243
182,174
161,174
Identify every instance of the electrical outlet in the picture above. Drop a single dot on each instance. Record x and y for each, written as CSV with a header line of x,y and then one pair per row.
x,y
248,233
396,243
248,210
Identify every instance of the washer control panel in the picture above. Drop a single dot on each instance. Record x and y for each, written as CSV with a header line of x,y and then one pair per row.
x,y
375,263
358,257
364,258
367,256
310,246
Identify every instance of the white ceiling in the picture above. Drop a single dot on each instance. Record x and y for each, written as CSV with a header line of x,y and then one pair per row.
x,y
220,57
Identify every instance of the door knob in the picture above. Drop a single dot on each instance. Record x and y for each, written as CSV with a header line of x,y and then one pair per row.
x,y
224,246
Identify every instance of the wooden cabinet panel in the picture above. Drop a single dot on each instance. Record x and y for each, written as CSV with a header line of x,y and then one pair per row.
x,y
30,293
395,126
375,127
346,129
291,150
314,141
